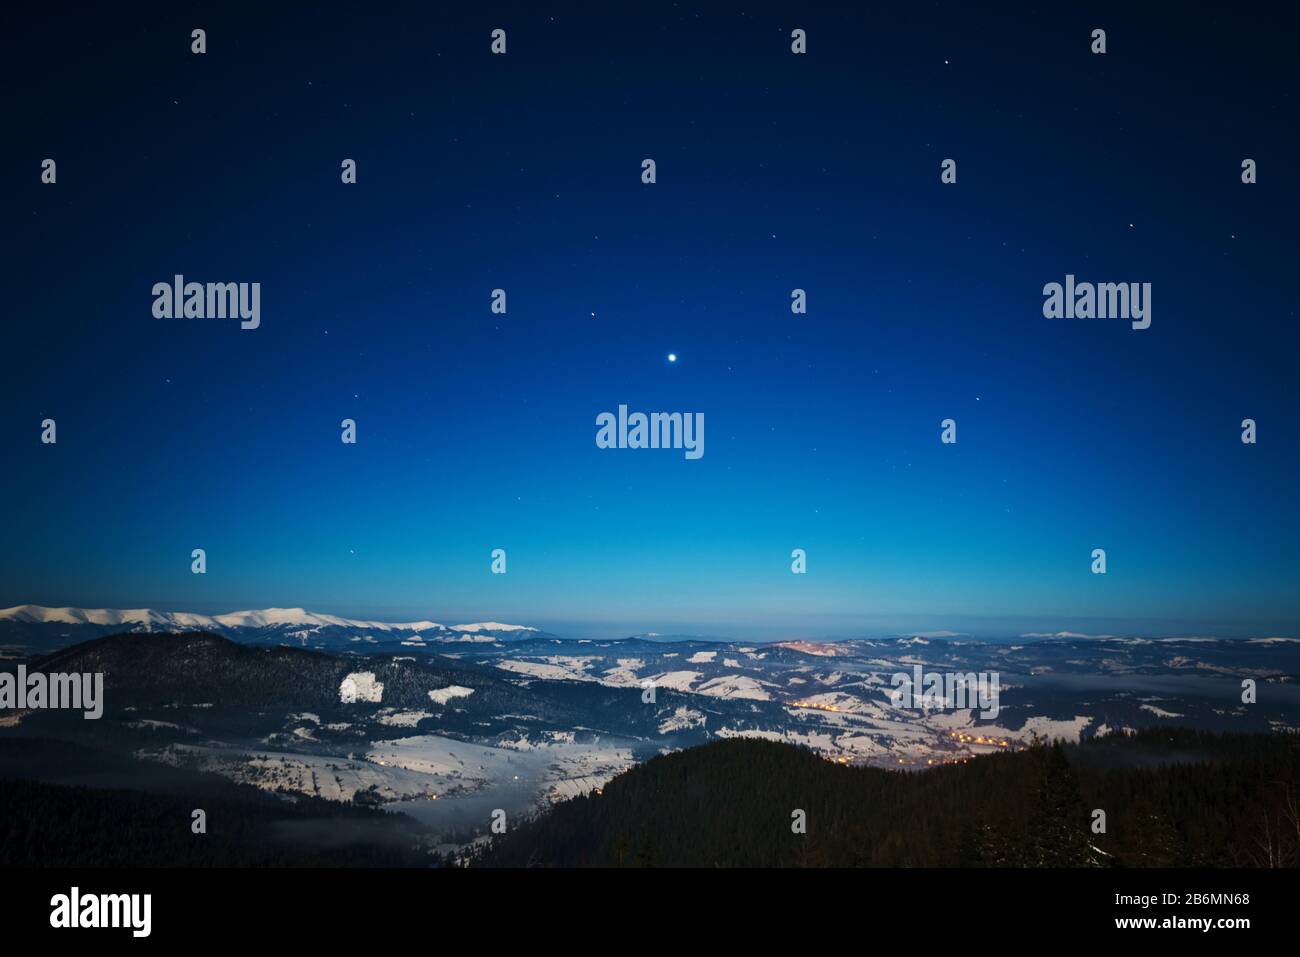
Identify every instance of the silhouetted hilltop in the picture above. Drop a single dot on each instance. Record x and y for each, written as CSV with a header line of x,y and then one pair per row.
x,y
54,825
1217,800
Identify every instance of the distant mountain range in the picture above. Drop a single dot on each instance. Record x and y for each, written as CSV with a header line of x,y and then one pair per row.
x,y
449,724
36,628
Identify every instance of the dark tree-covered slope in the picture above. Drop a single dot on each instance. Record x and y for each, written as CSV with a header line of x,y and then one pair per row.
x,y
54,825
1171,798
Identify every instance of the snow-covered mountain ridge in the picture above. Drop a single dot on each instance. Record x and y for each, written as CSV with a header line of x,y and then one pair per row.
x,y
256,624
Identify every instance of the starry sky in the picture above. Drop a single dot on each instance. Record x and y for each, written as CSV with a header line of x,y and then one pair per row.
x,y
774,172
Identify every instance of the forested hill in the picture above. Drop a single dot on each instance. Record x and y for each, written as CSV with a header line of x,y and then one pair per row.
x,y
1171,798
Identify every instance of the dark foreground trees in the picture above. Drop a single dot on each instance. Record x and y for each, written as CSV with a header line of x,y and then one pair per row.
x,y
1168,799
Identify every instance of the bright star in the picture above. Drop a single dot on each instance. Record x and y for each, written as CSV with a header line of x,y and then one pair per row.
x,y
672,357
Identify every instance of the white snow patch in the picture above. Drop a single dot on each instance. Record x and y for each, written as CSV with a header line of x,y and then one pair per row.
x,y
676,680
734,686
360,686
490,626
443,695
553,668
682,719
1160,712
1052,729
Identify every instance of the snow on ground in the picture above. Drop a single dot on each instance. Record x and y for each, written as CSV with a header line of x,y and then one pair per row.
x,y
734,686
583,768
837,701
723,686
331,777
1069,729
624,676
150,724
821,649
147,619
1159,712
360,686
552,668
702,658
676,680
438,757
471,766
822,741
881,741
490,626
1104,729
522,777
682,719
401,719
957,718
443,695
520,740
1048,729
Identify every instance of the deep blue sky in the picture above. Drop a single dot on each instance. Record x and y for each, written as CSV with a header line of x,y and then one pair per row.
x,y
775,171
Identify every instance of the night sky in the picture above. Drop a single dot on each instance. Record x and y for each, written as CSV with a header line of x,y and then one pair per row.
x,y
775,171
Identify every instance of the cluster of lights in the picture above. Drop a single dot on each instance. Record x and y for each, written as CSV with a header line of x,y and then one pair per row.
x,y
938,762
968,739
814,704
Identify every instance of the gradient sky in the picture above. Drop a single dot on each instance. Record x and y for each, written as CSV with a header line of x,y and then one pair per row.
x,y
775,171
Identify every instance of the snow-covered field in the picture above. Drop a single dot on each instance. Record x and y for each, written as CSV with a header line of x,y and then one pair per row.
x,y
444,781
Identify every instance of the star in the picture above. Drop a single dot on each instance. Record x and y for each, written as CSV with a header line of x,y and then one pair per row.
x,y
672,357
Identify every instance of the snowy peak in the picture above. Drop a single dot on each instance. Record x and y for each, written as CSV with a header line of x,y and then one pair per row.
x,y
301,618
266,624
38,614
265,618
491,626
